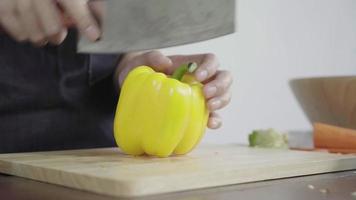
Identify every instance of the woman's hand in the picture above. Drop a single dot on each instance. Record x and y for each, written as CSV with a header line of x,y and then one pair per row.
x,y
216,82
42,21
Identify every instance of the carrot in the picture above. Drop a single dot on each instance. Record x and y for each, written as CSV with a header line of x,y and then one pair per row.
x,y
333,137
343,151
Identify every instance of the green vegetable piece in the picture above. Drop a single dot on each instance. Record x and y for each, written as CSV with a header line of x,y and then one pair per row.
x,y
269,138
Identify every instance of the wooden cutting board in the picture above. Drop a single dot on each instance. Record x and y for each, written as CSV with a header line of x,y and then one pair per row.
x,y
108,171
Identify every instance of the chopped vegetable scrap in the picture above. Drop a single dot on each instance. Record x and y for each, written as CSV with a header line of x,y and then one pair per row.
x,y
269,138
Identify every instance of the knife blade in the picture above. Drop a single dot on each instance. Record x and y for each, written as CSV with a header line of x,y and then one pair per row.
x,y
302,140
132,25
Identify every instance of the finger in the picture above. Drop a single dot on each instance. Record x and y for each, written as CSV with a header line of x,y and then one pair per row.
x,y
48,16
98,9
83,18
122,70
208,64
214,121
154,59
157,61
30,21
11,24
219,102
207,68
10,21
219,85
58,38
41,43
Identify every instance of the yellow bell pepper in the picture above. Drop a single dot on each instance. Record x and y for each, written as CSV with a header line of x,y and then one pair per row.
x,y
159,115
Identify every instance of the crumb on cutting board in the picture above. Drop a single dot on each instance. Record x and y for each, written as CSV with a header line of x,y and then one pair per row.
x,y
311,187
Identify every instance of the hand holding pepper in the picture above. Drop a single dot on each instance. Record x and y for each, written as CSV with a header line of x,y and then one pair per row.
x,y
216,82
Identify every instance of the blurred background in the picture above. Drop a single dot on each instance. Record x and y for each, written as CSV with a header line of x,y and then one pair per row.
x,y
278,40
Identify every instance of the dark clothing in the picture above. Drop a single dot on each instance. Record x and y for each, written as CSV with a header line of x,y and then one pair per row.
x,y
53,98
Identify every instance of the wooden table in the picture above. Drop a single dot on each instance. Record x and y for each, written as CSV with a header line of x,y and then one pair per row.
x,y
339,186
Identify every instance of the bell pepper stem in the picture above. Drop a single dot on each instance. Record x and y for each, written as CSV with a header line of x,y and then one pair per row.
x,y
183,69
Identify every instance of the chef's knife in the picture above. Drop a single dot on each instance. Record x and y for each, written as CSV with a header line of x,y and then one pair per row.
x,y
131,25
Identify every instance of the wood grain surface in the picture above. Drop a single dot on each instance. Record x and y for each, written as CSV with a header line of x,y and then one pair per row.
x,y
108,171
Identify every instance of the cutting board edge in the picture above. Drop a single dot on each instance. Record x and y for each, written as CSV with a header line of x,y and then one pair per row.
x,y
348,164
123,185
129,188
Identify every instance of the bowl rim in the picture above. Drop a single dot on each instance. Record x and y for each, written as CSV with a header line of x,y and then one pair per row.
x,y
321,77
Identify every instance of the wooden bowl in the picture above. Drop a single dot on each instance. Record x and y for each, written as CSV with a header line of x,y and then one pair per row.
x,y
330,100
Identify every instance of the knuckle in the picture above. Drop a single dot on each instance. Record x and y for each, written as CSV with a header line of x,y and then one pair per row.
x,y
210,56
220,86
229,79
58,38
152,56
131,55
225,99
226,77
84,21
213,67
51,30
38,38
79,11
55,41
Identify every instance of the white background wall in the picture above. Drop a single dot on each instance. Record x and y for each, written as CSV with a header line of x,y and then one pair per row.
x,y
278,40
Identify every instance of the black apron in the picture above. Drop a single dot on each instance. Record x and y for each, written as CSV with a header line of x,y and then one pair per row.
x,y
52,98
